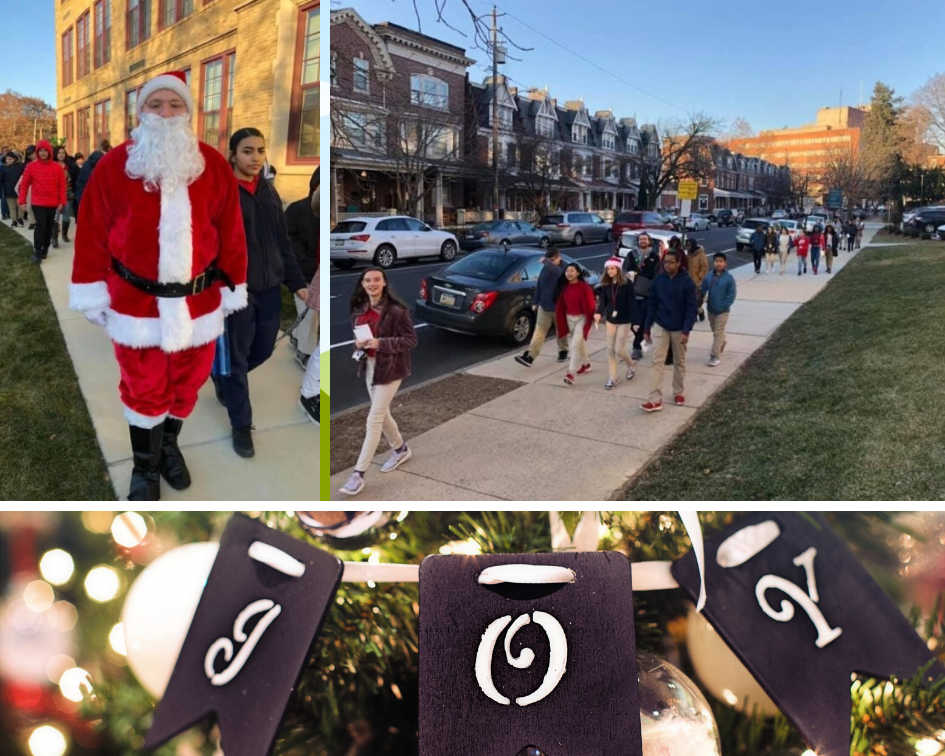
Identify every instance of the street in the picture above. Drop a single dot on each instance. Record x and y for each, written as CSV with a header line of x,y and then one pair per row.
x,y
441,352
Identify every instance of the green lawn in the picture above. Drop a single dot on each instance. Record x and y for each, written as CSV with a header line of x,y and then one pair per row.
x,y
48,448
845,401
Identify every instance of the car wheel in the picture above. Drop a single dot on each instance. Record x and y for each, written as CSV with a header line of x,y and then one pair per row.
x,y
545,242
384,256
739,246
608,238
930,228
578,239
448,250
521,331
343,264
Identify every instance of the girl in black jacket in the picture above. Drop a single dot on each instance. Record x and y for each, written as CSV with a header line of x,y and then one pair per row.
x,y
251,332
617,306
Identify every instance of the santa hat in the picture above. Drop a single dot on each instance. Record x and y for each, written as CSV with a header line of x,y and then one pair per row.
x,y
176,81
615,262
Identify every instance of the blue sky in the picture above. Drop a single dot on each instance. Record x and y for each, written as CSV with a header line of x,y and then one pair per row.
x,y
29,48
773,63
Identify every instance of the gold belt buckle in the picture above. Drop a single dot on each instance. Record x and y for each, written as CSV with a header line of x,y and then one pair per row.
x,y
198,282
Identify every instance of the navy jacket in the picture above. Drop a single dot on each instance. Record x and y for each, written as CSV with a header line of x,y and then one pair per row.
x,y
82,179
672,303
10,175
720,291
758,240
271,260
625,304
547,285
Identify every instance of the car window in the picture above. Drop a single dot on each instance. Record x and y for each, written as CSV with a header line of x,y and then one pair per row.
x,y
349,227
392,224
532,270
754,224
488,266
597,219
414,225
527,227
550,220
652,218
628,218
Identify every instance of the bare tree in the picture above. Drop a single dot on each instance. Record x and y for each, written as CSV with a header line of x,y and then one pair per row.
x,y
739,129
544,173
930,98
25,119
914,127
846,171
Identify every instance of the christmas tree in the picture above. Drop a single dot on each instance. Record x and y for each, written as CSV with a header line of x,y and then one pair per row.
x,y
358,691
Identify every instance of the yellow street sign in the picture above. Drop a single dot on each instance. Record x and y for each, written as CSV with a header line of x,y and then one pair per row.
x,y
688,190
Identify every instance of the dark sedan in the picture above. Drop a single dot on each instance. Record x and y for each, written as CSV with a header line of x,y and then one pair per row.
x,y
503,233
487,293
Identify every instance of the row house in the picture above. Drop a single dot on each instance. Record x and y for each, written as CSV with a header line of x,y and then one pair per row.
x,y
398,101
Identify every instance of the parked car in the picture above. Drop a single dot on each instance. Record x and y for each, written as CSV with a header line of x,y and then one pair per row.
x,y
712,218
575,228
816,219
489,293
793,226
739,214
697,222
503,233
941,233
629,242
726,217
382,241
779,213
925,222
634,220
747,228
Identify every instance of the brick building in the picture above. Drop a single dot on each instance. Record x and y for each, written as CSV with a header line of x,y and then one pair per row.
x,y
248,62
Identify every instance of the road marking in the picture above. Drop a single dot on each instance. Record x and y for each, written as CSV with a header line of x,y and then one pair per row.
x,y
349,343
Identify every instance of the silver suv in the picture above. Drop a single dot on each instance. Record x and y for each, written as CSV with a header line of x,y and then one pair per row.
x,y
747,228
575,228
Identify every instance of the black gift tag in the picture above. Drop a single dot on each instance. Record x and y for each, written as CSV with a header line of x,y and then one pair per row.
x,y
802,613
507,666
249,638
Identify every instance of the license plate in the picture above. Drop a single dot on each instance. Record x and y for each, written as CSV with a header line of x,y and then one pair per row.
x,y
470,236
447,299
337,242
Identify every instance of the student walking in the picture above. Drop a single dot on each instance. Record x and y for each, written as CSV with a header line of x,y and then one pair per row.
x,y
670,317
10,176
784,247
771,249
574,314
311,389
45,183
544,307
64,216
252,331
618,308
851,235
816,243
803,246
860,227
757,243
830,234
385,358
302,221
719,290
646,271
698,268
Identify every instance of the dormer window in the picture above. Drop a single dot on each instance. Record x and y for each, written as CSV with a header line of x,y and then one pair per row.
x,y
608,142
545,126
579,134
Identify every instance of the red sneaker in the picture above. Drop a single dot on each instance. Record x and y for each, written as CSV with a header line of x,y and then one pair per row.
x,y
569,379
584,369
679,399
651,406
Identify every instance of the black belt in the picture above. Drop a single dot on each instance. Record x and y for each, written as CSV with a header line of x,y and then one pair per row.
x,y
170,290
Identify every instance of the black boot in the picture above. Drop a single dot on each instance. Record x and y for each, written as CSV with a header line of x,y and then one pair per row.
x,y
55,236
65,230
173,467
146,448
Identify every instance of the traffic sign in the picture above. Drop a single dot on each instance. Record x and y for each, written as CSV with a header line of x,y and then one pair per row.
x,y
688,190
835,199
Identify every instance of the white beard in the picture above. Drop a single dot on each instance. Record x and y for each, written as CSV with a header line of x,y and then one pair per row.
x,y
164,153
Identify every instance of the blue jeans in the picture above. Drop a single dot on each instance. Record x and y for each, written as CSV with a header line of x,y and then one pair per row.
x,y
815,257
801,264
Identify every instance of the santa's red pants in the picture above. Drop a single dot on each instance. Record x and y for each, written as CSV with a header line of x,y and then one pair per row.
x,y
155,383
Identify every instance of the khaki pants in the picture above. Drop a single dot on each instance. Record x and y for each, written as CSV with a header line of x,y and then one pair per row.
x,y
578,344
14,208
770,258
717,323
661,341
617,338
784,257
379,419
543,322
828,253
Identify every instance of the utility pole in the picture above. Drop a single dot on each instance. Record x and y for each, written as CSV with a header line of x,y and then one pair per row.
x,y
495,119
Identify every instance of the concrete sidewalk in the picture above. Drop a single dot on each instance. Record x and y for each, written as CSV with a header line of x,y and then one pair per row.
x,y
547,441
286,465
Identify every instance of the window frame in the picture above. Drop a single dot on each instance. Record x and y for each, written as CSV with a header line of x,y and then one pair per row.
x,y
68,128
228,58
178,12
356,71
102,36
82,51
142,26
299,90
83,116
68,61
131,113
423,96
101,119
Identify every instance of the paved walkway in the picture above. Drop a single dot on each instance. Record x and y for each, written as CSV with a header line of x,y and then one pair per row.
x,y
286,465
547,441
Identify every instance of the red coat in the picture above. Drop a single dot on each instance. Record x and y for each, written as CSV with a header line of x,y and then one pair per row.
x,y
46,178
196,226
575,299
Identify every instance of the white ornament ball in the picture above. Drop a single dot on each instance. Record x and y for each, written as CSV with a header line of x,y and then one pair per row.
x,y
723,673
159,608
675,718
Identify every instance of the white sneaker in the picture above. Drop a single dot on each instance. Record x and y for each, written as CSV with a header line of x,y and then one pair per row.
x,y
713,361
354,486
631,371
396,459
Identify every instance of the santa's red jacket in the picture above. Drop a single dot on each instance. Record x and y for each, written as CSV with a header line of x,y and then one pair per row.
x,y
165,236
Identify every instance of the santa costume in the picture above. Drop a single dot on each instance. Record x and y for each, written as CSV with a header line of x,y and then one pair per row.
x,y
160,260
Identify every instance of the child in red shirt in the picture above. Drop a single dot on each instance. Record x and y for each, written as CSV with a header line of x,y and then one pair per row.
x,y
803,245
574,313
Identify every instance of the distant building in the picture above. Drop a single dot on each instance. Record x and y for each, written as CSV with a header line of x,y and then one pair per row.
x,y
808,149
248,64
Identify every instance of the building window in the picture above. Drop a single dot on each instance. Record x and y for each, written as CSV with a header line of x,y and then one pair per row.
x,y
431,141
362,130
505,117
68,130
304,133
608,141
545,126
362,75
138,22
429,92
82,140
334,68
82,46
103,32
67,60
216,101
102,119
579,134
172,11
510,156
131,111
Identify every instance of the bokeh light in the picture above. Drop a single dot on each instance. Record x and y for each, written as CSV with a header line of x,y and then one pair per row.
x,y
63,616
117,639
98,522
47,741
57,666
57,566
72,682
102,583
129,529
39,596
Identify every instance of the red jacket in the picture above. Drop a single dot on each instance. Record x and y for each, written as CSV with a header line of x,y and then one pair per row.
x,y
817,240
575,299
802,244
47,179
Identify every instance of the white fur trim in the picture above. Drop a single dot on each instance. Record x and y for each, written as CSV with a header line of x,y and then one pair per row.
x,y
234,300
139,333
175,264
166,81
143,421
90,296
